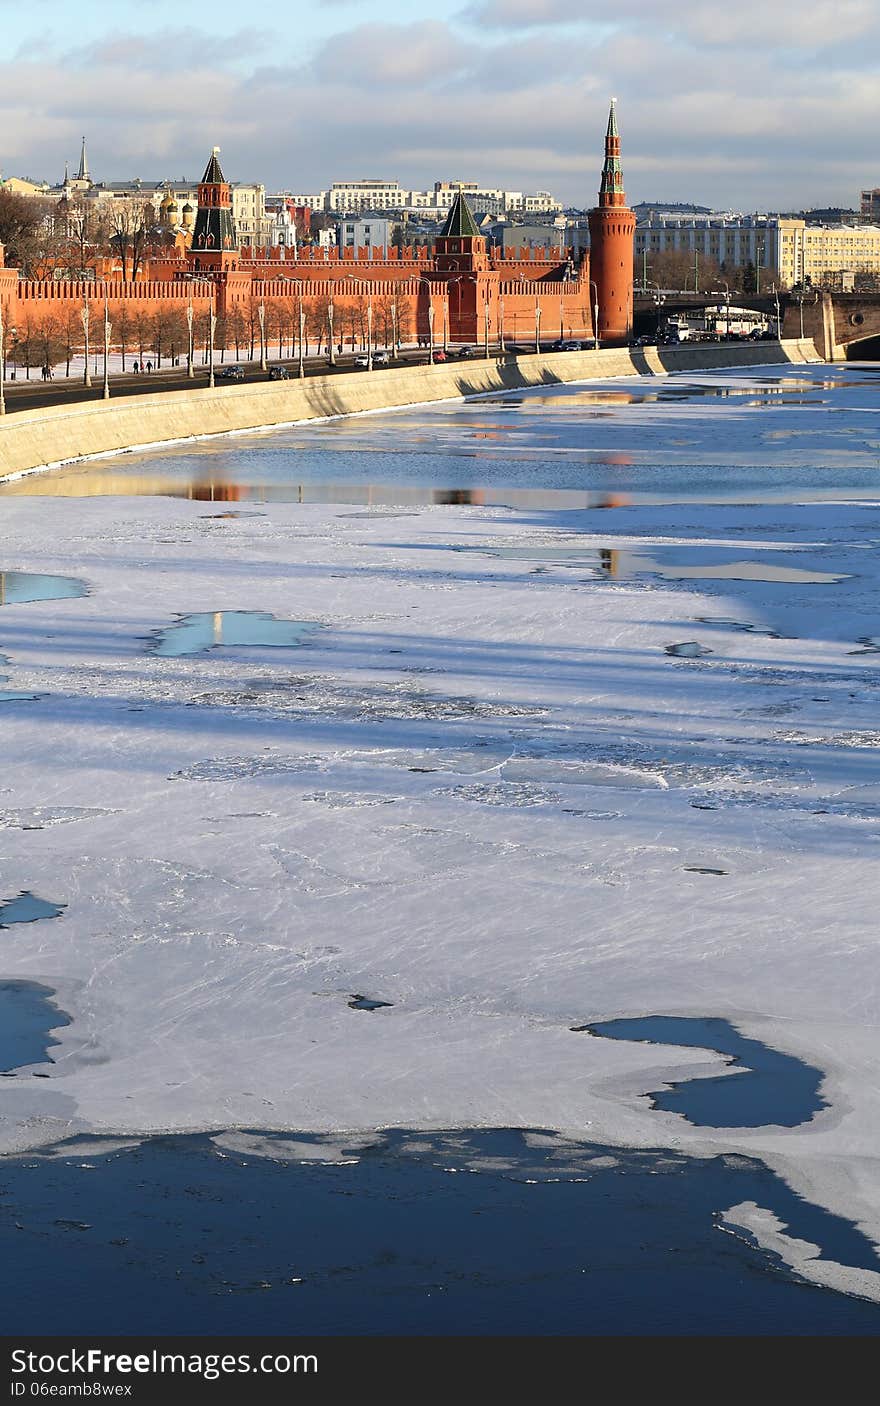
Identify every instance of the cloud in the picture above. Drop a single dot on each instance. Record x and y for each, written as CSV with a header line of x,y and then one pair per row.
x,y
421,53
790,24
524,107
170,49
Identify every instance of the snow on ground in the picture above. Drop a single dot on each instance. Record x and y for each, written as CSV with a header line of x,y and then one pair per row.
x,y
481,793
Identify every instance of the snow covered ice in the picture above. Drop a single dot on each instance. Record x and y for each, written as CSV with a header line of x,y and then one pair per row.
x,y
494,790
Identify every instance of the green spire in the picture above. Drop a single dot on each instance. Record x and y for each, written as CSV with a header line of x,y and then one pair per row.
x,y
611,130
460,222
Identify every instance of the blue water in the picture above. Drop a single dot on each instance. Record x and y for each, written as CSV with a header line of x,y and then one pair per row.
x,y
639,439
460,1233
195,634
26,1017
774,1088
18,586
28,908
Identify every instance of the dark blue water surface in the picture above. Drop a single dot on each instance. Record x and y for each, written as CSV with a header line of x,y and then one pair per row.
x,y
26,1017
464,1233
774,1088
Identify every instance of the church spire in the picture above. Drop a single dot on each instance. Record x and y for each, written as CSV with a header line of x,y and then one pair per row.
x,y
611,192
83,172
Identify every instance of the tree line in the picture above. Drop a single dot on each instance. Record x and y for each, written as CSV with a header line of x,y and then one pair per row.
x,y
161,335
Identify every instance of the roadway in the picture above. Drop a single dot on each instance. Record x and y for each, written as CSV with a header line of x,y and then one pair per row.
x,y
37,393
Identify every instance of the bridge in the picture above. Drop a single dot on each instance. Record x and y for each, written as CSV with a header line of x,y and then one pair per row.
x,y
843,326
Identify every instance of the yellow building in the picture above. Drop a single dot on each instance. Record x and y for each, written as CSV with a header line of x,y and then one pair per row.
x,y
830,256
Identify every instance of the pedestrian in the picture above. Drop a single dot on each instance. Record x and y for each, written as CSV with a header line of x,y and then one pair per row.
x,y
149,366
136,368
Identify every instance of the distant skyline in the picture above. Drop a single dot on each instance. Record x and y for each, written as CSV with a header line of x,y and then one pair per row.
x,y
768,105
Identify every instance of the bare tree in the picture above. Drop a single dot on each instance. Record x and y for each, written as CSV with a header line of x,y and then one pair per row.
x,y
131,222
25,227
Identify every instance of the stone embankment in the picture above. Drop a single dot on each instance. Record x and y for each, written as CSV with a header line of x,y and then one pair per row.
x,y
32,440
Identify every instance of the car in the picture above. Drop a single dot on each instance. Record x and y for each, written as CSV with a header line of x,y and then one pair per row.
x,y
278,373
363,361
440,354
466,352
230,373
381,358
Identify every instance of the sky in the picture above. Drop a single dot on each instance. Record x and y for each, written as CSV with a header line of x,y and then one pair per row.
x,y
756,105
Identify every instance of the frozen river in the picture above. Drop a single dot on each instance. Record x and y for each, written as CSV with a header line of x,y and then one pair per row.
x,y
491,766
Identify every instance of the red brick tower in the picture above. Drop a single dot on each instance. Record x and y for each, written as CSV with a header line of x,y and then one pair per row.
x,y
612,227
214,243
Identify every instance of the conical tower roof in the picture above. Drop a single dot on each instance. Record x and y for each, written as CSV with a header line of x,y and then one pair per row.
x,y
611,191
83,172
460,222
213,175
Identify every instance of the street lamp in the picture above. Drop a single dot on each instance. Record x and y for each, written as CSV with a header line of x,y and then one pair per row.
x,y
212,323
84,318
778,318
501,347
330,310
2,362
537,328
190,368
595,315
427,282
106,347
301,367
261,315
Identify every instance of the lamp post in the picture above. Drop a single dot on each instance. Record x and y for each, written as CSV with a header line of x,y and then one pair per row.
x,y
106,348
561,320
486,326
778,318
501,346
537,328
427,283
395,350
190,368
301,368
446,319
2,362
595,315
261,315
330,310
212,323
84,318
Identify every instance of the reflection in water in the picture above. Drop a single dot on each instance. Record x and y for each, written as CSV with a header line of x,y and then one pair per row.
x,y
195,634
18,586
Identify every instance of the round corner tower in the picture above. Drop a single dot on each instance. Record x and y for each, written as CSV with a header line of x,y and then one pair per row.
x,y
612,230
